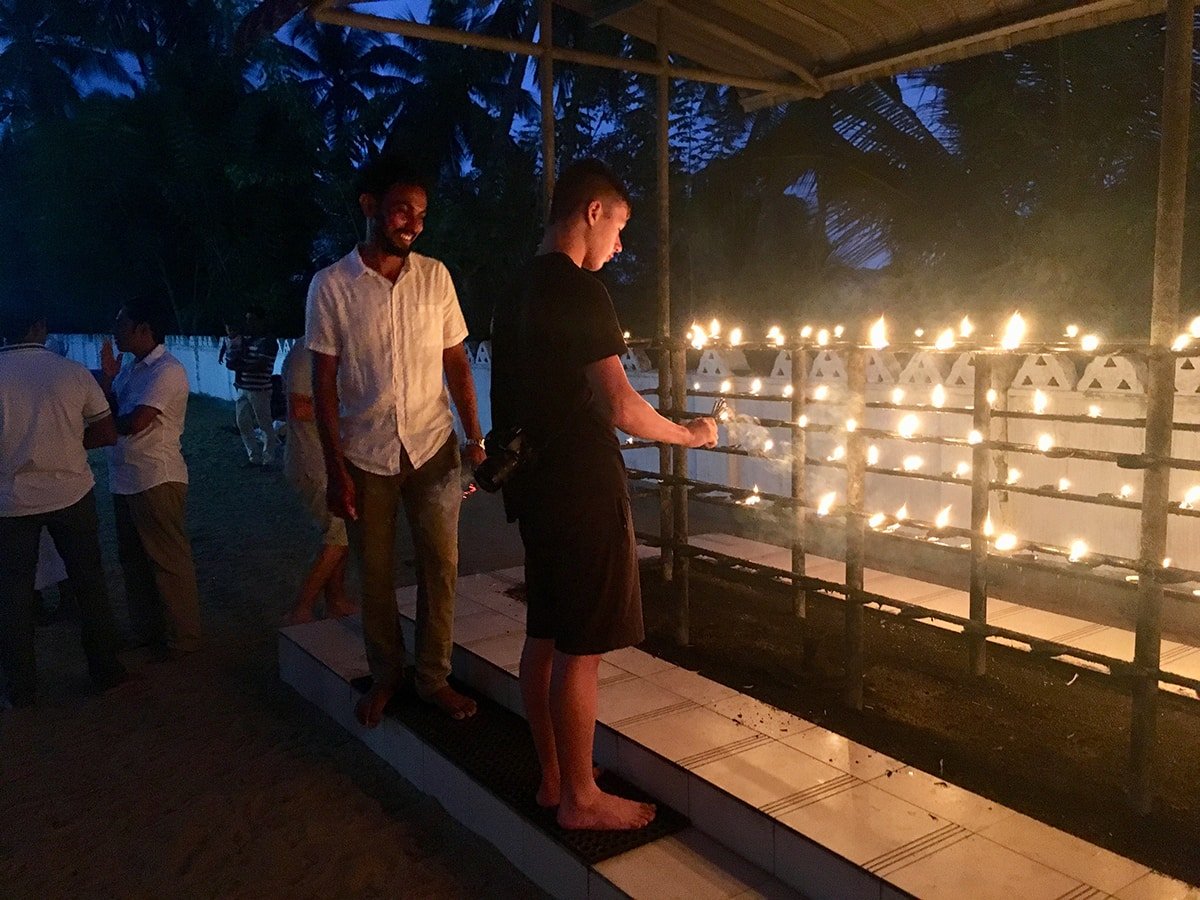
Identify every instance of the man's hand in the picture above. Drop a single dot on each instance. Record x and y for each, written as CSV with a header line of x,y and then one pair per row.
x,y
703,432
474,455
109,364
340,494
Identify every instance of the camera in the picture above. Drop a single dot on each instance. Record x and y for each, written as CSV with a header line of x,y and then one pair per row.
x,y
507,451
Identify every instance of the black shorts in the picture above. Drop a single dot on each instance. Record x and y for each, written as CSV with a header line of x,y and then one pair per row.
x,y
581,573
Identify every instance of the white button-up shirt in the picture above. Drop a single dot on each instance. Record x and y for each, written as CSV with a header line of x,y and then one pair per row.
x,y
46,402
389,340
151,457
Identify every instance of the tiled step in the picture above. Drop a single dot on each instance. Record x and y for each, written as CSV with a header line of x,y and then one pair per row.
x,y
823,815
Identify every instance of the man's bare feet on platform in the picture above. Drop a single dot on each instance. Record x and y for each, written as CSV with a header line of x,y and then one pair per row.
x,y
452,703
369,710
606,812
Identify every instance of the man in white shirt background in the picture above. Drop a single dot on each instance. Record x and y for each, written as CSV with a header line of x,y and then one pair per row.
x,y
51,412
148,480
385,327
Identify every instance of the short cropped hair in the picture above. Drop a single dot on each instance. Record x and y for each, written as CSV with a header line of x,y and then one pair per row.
x,y
580,184
19,312
379,175
150,309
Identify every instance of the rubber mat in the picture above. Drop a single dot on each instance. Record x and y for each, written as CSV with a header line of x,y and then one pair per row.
x,y
494,747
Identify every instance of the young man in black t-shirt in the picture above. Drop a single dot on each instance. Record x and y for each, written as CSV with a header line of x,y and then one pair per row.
x,y
556,373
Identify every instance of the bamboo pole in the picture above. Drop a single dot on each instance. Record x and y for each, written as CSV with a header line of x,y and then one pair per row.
x,y
799,479
855,527
681,587
981,476
546,86
666,506
1160,411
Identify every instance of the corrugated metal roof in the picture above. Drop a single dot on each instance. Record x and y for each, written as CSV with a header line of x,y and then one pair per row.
x,y
823,45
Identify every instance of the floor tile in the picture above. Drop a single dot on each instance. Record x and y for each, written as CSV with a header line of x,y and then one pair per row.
x,y
763,774
691,685
621,701
1065,852
817,873
464,606
980,869
483,625
861,823
1114,642
898,587
942,798
334,645
762,717
663,780
1156,886
504,650
743,829
636,661
691,735
687,866
861,762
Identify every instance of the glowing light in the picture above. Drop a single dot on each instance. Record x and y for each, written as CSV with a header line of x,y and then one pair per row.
x,y
945,340
825,504
822,337
912,463
726,386
735,336
772,331
897,395
965,328
1014,332
1006,542
806,332
938,396
877,336
1191,498
1014,475
872,455
695,385
802,422
902,513
779,339
876,520
919,332
1064,484
1194,327
1090,343
756,385
1044,443
626,335
821,392
1126,491
962,470
908,426
974,437
1072,331
839,452
768,445
788,390
1181,342
1079,549
754,499
1166,562
988,529
942,519
839,330
1093,411
1040,402
714,329
698,337
991,396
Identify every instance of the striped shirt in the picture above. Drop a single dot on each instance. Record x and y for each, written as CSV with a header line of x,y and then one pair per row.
x,y
252,360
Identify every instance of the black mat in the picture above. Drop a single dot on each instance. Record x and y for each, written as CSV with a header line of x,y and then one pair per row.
x,y
494,747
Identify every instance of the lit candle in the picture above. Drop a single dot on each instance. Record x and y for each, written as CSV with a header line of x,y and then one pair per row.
x,y
806,332
1191,498
897,395
1040,401
851,425
1079,549
942,519
878,335
1181,342
965,328
822,337
974,437
788,390
802,422
714,329
735,336
1072,331
838,452
1014,332
912,463
1006,542
1194,328
962,470
938,396
726,386
872,455
839,330
876,520
902,513
1126,491
991,396
1090,343
756,385
1064,484
945,339
1014,475
988,529
768,445
821,392
826,503
919,332
1094,411
908,426
1044,443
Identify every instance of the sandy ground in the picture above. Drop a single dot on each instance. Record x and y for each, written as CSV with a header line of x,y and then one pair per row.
x,y
208,776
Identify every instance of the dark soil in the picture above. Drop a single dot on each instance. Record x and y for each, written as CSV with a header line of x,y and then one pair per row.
x,y
1038,736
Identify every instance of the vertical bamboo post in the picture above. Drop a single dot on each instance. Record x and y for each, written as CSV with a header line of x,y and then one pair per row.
x,y
1160,404
799,475
855,526
981,492
681,586
666,526
546,86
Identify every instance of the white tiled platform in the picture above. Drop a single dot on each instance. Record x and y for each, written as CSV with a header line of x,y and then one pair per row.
x,y
778,805
1039,624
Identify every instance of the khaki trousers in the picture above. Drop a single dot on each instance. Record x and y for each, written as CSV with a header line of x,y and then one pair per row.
x,y
156,559
431,496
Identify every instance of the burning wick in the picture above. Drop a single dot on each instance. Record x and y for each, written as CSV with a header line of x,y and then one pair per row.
x,y
726,386
965,328
962,470
1040,402
756,385
1090,343
945,340
991,396
626,335
988,530
1191,498
1045,443
851,425
872,455
919,332
714,329
1072,331
1014,332
938,397
821,392
1126,491
802,422
1014,475
902,513
1079,549
698,337
912,463
838,452
695,385
754,499
974,437
768,445
779,339
822,337
1006,542
908,426
1166,562
876,520
878,335
735,337
806,332
839,330
897,395
1093,411
1181,342
942,519
788,390
1064,484
826,504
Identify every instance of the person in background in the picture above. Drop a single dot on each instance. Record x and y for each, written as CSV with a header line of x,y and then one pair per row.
x,y
385,329
251,356
557,374
148,479
304,468
52,412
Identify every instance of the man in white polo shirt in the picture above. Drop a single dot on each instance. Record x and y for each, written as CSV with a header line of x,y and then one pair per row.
x,y
385,327
148,480
51,412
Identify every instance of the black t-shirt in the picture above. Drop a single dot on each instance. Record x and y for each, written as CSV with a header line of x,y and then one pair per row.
x,y
555,321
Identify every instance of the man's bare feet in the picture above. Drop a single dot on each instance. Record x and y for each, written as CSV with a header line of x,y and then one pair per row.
x,y
369,710
606,812
342,609
548,790
452,703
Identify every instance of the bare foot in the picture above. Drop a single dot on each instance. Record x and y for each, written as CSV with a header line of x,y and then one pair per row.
x,y
369,710
548,790
452,703
607,812
299,617
341,610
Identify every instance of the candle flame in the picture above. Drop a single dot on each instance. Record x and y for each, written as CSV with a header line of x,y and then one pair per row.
x,y
1064,484
1014,475
735,336
876,520
1094,411
945,340
974,437
779,339
823,337
714,329
1040,401
1079,549
1181,342
902,513
839,330
1072,331
1006,542
965,328
788,390
962,470
626,335
1194,327
772,331
908,426
756,385
872,455
821,392
826,504
851,425
768,445
1191,498
878,335
897,395
1014,332
988,529
1126,491
912,463
806,332
918,332
802,422
1044,443
698,337
1166,562
1090,343
838,452
991,396
942,519
938,396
